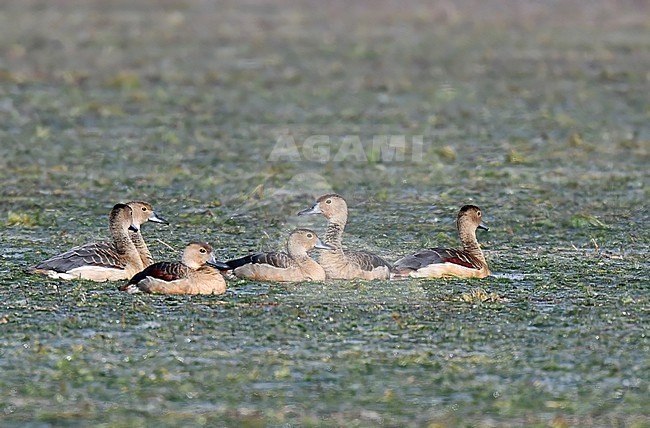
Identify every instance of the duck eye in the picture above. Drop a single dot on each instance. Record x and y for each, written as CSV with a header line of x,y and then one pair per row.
x,y
202,250
329,201
309,235
478,213
144,209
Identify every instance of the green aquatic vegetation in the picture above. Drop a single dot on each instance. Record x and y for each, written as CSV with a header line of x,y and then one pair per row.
x,y
479,295
125,80
182,106
581,221
447,153
25,219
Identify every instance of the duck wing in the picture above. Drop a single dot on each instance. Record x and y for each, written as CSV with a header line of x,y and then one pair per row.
x,y
432,256
367,261
275,259
96,254
164,271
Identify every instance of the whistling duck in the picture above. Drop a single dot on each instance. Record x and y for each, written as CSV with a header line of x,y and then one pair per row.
x,y
443,262
142,213
340,263
196,273
100,261
293,266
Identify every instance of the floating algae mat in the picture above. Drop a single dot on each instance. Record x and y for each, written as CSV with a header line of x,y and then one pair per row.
x,y
229,118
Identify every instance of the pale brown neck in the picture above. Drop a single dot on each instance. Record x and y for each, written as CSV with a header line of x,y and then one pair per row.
x,y
470,243
297,252
123,243
120,236
141,246
190,262
208,270
334,233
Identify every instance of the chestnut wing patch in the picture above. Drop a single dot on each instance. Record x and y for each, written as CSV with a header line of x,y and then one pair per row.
x,y
164,271
458,258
